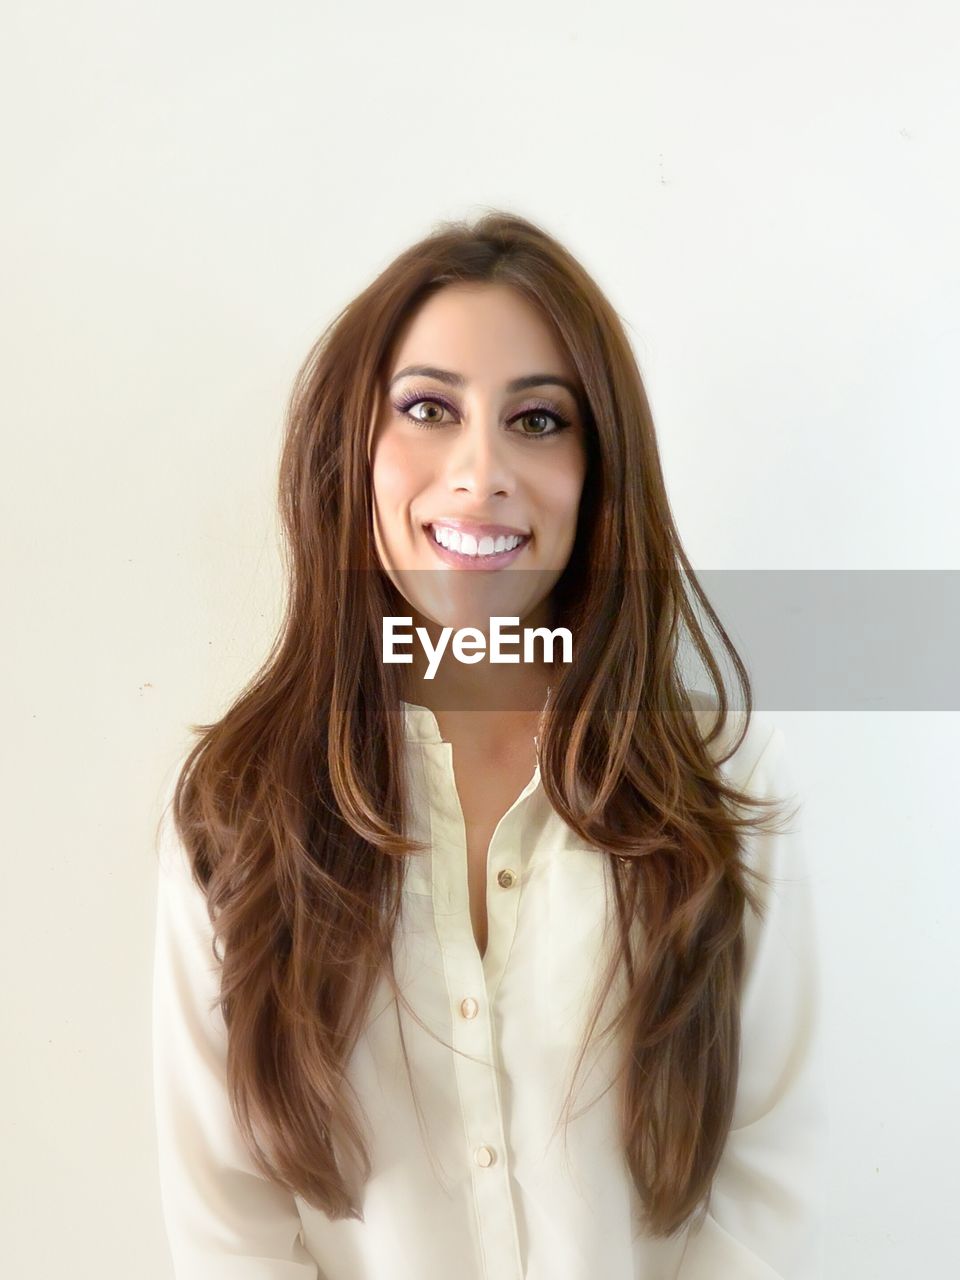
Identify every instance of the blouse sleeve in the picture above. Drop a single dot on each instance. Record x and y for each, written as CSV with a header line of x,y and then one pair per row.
x,y
766,1209
224,1220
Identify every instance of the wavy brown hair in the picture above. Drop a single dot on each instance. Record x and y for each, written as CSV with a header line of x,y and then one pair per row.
x,y
291,805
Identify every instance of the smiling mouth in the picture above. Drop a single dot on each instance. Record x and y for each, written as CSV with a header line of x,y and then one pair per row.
x,y
467,551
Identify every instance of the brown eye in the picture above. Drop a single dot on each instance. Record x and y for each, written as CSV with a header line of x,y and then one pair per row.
x,y
406,406
540,411
538,414
431,404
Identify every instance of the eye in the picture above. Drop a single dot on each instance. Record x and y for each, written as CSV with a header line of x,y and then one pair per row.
x,y
539,409
560,423
404,406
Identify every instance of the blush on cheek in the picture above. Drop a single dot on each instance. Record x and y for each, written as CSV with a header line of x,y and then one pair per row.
x,y
395,474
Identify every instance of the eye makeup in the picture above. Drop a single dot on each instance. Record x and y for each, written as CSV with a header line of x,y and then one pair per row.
x,y
533,408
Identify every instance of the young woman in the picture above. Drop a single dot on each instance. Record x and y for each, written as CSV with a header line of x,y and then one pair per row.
x,y
469,968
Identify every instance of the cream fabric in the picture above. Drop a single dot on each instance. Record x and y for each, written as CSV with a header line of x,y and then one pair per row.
x,y
482,1186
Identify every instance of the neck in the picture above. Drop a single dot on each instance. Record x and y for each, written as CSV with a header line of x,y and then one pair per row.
x,y
497,689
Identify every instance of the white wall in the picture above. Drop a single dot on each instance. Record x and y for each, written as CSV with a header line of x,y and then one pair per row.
x,y
768,193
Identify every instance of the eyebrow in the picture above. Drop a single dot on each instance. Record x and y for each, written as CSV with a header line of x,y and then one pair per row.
x,y
458,380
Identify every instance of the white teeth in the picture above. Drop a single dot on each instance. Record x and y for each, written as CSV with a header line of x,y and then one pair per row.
x,y
467,544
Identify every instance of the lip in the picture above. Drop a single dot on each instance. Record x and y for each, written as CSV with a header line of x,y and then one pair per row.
x,y
475,563
478,528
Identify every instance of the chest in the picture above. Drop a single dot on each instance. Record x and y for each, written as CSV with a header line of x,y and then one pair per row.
x,y
486,789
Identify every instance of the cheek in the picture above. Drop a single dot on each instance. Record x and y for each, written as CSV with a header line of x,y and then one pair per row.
x,y
564,485
394,475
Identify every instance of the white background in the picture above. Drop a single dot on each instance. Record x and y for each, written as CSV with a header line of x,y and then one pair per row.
x,y
768,193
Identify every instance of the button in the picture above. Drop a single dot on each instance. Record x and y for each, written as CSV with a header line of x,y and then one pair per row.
x,y
505,878
485,1156
469,1007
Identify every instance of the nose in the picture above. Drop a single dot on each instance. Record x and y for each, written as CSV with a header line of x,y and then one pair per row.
x,y
479,461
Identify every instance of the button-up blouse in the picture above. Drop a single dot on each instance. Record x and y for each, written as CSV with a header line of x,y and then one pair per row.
x,y
473,1178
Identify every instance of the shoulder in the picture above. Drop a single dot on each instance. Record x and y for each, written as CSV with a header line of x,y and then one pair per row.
x,y
761,768
760,749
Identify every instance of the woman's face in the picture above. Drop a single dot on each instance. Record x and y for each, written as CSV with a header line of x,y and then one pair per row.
x,y
466,453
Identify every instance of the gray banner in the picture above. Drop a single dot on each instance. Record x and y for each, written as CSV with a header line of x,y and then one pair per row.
x,y
811,640
844,640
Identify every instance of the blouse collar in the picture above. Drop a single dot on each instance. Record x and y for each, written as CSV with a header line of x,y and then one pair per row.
x,y
420,724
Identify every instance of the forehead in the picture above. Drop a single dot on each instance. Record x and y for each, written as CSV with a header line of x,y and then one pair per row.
x,y
481,331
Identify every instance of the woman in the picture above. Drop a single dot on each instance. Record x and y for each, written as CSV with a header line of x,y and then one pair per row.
x,y
505,969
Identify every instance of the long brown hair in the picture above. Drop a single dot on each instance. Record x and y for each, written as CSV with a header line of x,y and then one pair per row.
x,y
291,805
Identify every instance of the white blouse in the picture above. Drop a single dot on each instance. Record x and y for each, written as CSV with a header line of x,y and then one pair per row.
x,y
482,1185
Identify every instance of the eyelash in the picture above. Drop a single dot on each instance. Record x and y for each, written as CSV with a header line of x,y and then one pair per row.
x,y
537,407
